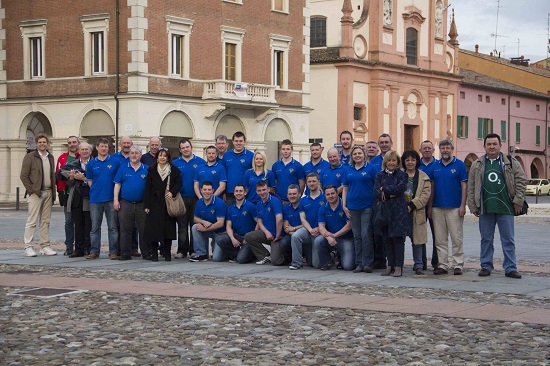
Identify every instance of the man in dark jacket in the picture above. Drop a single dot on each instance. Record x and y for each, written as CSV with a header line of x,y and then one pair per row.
x,y
38,177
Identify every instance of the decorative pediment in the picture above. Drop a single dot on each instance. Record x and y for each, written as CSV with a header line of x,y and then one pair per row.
x,y
414,15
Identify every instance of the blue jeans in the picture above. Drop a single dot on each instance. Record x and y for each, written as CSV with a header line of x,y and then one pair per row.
x,y
362,237
225,250
321,252
302,246
418,255
69,231
96,214
505,224
200,243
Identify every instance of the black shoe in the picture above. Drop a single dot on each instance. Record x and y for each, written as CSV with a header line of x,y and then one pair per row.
x,y
76,255
380,266
198,258
168,258
440,271
458,271
358,269
425,267
418,272
484,272
513,274
147,257
368,269
124,257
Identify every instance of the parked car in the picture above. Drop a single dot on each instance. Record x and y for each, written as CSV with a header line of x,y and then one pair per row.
x,y
538,187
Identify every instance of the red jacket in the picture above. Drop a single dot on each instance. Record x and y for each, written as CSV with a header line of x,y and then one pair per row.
x,y
61,162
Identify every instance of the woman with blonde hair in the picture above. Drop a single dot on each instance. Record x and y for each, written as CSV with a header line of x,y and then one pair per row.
x,y
258,172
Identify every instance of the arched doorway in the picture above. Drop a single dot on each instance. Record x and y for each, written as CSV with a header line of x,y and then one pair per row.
x,y
277,130
175,126
469,160
35,123
97,123
228,125
537,168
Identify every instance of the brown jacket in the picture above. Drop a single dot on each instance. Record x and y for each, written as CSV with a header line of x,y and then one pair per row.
x,y
420,200
31,173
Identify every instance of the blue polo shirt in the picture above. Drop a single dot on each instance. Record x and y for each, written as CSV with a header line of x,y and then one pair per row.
x,y
333,176
102,174
251,179
344,159
360,183
212,211
214,173
447,181
242,219
286,175
334,220
236,165
377,162
132,182
427,168
310,206
317,168
292,215
187,169
121,159
266,211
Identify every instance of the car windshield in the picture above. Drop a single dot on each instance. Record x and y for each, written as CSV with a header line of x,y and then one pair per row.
x,y
534,182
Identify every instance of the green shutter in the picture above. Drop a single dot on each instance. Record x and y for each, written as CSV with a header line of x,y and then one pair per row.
x,y
518,132
503,130
537,136
485,127
466,127
480,128
459,126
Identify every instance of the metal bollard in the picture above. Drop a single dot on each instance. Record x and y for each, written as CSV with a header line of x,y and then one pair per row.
x,y
17,198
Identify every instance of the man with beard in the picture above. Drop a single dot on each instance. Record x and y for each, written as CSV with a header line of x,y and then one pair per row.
x,y
346,140
426,165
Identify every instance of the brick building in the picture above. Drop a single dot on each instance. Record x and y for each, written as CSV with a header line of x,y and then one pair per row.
x,y
177,69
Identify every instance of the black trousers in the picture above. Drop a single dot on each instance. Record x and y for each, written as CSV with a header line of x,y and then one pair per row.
x,y
185,222
395,249
82,228
131,216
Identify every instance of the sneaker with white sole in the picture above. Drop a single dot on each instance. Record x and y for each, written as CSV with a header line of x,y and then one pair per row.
x,y
47,251
29,252
179,255
266,260
294,268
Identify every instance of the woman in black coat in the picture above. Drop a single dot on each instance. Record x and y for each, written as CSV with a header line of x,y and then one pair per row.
x,y
389,188
159,226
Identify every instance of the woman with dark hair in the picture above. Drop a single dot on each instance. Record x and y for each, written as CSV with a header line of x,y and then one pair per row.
x,y
389,189
159,226
417,194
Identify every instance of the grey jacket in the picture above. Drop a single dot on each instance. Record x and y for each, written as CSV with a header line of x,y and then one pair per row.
x,y
516,182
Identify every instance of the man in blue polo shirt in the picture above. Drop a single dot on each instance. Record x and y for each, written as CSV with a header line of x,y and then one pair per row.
x,y
241,219
335,230
371,149
209,222
212,171
346,140
333,175
269,213
130,185
281,251
287,171
316,164
449,206
188,164
426,165
302,240
236,161
100,173
123,156
385,144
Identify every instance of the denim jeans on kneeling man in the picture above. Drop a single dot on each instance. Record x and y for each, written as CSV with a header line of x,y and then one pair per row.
x,y
200,241
322,249
302,246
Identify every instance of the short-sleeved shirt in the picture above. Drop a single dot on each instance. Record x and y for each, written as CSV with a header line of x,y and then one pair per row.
x,y
344,159
211,212
251,179
292,215
427,168
310,206
121,159
377,162
334,220
243,218
214,173
102,175
266,211
287,174
132,182
447,181
236,165
317,168
187,170
333,176
360,183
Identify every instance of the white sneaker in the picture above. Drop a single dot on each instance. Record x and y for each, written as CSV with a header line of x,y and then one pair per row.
x,y
179,255
47,251
29,252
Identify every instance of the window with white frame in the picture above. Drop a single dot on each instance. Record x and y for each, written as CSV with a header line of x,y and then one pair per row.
x,y
34,35
179,31
232,41
279,5
280,46
95,28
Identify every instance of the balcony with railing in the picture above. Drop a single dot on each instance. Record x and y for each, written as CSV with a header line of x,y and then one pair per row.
x,y
227,90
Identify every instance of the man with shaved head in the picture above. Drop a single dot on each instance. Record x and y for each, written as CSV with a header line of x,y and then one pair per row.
x,y
150,157
334,173
123,156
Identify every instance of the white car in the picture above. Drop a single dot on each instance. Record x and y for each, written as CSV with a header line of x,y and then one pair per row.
x,y
538,187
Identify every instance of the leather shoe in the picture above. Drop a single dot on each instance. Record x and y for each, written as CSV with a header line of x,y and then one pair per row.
x,y
124,257
440,271
484,272
513,274
458,271
368,269
388,271
76,255
358,269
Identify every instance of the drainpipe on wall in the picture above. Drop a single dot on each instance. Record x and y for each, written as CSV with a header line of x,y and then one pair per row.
x,y
546,143
117,104
509,123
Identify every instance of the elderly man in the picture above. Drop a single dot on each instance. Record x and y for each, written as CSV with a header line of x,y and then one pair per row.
x,y
150,158
496,190
333,175
125,143
221,145
426,165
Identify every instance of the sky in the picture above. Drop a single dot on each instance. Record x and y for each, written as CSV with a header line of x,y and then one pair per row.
x,y
526,20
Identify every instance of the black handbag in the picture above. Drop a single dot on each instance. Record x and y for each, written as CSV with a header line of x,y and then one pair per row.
x,y
524,209
63,197
382,215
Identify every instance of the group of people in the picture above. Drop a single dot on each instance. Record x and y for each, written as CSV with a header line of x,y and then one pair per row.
x,y
352,211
